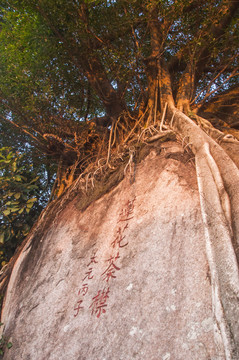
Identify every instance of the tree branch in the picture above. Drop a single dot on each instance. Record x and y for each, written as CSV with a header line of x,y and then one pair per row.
x,y
86,59
35,139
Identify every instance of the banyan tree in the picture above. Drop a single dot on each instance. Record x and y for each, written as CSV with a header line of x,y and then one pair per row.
x,y
136,104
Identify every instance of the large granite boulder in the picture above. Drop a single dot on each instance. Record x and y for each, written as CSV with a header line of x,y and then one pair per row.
x,y
127,278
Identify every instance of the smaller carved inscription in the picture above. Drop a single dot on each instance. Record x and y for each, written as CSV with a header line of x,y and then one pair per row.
x,y
78,307
83,290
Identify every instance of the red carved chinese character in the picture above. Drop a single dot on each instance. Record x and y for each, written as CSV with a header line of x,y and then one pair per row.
x,y
83,290
99,302
126,213
78,307
120,237
93,260
109,272
88,274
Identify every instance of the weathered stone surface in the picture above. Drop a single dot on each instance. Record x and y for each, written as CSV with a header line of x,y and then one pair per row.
x,y
142,247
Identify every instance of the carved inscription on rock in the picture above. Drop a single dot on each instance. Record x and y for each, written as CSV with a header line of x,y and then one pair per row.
x,y
98,303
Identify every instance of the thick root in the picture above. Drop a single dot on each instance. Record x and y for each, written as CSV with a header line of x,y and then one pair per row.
x,y
218,181
221,256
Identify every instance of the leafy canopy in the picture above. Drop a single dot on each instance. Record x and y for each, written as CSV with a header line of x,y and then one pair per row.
x,y
65,61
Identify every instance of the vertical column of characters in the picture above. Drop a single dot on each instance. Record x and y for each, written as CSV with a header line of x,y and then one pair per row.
x,y
83,290
99,302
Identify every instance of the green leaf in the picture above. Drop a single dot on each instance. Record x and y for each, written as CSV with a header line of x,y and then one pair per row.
x,y
31,187
9,345
1,240
30,205
14,203
6,212
14,209
18,178
32,200
17,195
34,180
14,166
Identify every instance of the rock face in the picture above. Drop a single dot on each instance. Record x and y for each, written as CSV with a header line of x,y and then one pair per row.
x,y
125,279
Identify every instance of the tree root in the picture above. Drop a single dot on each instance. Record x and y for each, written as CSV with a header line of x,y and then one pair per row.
x,y
218,182
220,252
